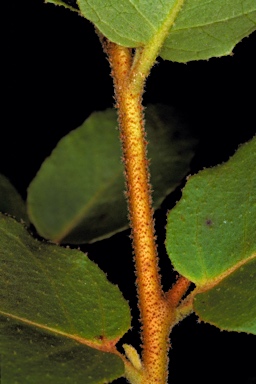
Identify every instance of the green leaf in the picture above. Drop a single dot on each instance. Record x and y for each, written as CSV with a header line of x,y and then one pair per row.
x,y
77,196
52,290
62,3
231,304
71,293
206,29
202,29
29,356
11,202
212,228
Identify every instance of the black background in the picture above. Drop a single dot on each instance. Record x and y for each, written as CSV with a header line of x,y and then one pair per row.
x,y
55,74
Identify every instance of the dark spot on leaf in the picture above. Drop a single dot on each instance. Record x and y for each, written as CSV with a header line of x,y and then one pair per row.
x,y
100,337
208,222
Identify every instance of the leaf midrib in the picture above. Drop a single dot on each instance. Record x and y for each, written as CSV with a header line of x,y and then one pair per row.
x,y
174,29
54,288
81,214
56,332
202,287
46,274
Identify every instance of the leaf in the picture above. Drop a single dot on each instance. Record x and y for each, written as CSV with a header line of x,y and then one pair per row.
x,y
71,293
211,241
206,29
77,196
29,356
212,228
65,5
11,202
57,291
202,29
231,304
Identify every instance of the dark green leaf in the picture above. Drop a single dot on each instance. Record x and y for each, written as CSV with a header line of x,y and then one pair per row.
x,y
52,290
11,202
29,356
231,304
70,293
77,196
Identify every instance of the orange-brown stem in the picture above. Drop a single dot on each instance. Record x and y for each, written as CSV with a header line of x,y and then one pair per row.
x,y
175,294
156,316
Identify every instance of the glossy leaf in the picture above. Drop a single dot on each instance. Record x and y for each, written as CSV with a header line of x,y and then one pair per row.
x,y
231,304
202,29
11,202
53,290
77,196
212,228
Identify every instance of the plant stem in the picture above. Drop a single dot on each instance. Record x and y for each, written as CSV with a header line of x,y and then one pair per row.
x,y
157,312
175,294
145,56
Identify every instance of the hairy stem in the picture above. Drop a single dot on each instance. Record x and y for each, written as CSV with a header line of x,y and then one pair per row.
x,y
175,294
157,311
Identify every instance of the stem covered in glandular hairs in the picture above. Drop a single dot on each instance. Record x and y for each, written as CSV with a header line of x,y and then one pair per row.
x,y
155,311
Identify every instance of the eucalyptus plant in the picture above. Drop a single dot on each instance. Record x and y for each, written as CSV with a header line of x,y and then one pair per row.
x,y
61,319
